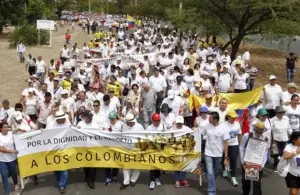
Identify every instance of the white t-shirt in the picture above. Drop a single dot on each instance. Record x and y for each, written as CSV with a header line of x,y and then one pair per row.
x,y
157,83
202,123
7,142
215,137
224,81
234,130
294,116
153,128
295,161
240,81
281,129
64,52
189,80
273,94
83,124
40,66
222,114
175,104
168,121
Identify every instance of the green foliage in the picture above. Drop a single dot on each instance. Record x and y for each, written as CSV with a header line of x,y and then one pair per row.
x,y
10,12
28,34
37,9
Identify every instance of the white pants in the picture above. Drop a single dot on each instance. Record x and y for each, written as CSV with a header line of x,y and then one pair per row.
x,y
130,176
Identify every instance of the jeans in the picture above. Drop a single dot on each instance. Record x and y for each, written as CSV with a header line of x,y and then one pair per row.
x,y
233,152
180,175
290,72
111,172
8,169
21,56
154,174
61,178
246,184
251,84
213,165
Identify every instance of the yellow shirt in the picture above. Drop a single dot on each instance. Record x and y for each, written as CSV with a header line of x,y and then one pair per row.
x,y
116,87
55,72
101,34
97,35
91,45
66,84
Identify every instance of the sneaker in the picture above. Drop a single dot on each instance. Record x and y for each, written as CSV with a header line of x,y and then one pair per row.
x,y
234,182
152,185
157,182
185,183
177,184
62,190
275,171
107,181
225,174
17,188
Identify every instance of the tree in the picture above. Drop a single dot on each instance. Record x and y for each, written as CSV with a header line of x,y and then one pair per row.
x,y
11,12
36,10
241,18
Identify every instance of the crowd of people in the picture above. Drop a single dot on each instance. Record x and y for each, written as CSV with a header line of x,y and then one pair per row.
x,y
93,86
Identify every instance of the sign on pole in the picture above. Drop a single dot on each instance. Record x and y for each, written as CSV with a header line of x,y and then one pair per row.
x,y
46,25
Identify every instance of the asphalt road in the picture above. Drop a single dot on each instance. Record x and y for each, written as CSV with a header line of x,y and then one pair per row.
x,y
272,184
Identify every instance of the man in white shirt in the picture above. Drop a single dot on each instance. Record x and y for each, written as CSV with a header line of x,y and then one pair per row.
x,y
216,144
64,54
130,176
21,51
222,109
159,85
174,102
286,95
6,111
271,96
41,69
224,80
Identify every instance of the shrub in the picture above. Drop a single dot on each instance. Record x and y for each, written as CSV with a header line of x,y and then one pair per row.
x,y
28,34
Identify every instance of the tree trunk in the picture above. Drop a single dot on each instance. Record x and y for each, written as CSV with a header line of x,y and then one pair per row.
x,y
215,39
235,46
207,38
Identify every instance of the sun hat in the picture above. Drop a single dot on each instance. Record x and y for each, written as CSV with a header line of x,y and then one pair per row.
x,y
272,77
259,125
232,114
112,115
279,109
292,85
262,112
179,119
129,117
60,115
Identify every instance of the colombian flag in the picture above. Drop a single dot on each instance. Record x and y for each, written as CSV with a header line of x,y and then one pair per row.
x,y
130,21
236,101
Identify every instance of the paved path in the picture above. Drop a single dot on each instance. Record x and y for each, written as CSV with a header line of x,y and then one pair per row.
x,y
272,185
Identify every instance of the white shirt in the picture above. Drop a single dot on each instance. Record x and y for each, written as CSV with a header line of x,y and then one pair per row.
x,y
7,141
135,127
222,114
153,128
234,130
294,116
273,94
224,81
64,52
167,121
175,104
157,83
92,124
99,118
215,137
40,66
281,129
286,97
295,161
118,127
240,81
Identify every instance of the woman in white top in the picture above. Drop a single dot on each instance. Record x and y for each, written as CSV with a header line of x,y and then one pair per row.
x,y
129,108
292,111
197,72
240,81
186,66
167,118
8,158
281,130
187,110
30,103
235,133
292,154
189,78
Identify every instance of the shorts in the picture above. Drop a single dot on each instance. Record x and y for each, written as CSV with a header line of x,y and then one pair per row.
x,y
292,181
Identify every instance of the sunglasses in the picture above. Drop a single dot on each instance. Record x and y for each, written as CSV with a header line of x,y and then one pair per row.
x,y
95,105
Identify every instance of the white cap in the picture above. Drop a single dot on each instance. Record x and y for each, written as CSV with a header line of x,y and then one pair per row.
x,y
180,119
24,127
64,92
205,87
204,73
171,94
272,77
130,117
209,58
30,90
226,66
60,115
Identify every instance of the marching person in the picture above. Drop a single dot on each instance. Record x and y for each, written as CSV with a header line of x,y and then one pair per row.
x,y
8,159
258,133
61,122
155,174
88,122
21,51
216,144
130,176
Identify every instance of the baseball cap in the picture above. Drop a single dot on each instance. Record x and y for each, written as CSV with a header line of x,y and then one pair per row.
x,y
171,94
179,119
64,92
203,109
232,114
259,125
272,77
262,112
